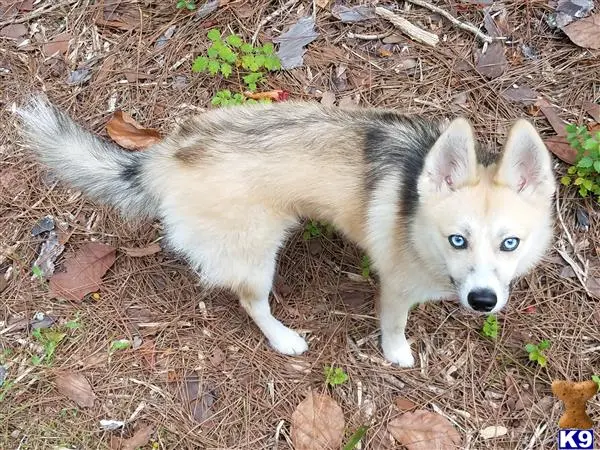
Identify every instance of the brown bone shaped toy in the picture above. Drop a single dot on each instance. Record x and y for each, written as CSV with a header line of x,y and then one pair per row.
x,y
575,396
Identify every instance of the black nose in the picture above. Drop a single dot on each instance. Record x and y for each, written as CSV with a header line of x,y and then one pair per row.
x,y
482,300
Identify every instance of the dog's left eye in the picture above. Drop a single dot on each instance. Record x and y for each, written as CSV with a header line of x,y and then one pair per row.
x,y
509,244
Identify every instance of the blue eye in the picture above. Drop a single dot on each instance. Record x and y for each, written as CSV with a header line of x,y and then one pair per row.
x,y
457,241
509,244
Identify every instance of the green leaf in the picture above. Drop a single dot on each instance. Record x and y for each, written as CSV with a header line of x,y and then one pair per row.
x,y
544,345
36,360
120,344
571,128
226,70
191,5
490,327
216,100
212,51
596,379
246,48
585,162
578,181
590,144
583,191
213,66
566,180
214,35
355,438
335,376
597,166
268,48
37,272
588,184
272,63
234,40
571,170
365,265
530,348
542,360
200,64
259,60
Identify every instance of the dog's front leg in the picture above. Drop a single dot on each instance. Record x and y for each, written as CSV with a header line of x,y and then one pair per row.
x,y
394,308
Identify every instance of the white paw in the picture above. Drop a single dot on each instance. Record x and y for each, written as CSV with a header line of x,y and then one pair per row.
x,y
399,353
288,342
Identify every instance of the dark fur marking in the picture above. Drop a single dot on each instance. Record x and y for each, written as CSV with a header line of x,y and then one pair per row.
x,y
189,155
132,171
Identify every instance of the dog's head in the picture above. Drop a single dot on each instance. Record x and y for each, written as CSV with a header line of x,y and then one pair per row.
x,y
485,225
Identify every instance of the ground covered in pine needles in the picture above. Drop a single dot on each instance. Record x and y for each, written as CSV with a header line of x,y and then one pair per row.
x,y
150,337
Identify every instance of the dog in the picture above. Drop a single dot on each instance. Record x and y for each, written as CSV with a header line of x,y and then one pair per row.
x,y
437,215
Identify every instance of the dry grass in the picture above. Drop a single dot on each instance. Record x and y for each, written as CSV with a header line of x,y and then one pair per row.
x,y
158,298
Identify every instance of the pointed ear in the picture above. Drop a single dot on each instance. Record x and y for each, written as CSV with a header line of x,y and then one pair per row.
x,y
452,161
526,165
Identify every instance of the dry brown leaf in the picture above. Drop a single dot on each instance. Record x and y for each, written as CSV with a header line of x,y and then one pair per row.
x,y
129,134
140,437
323,4
277,95
521,94
317,423
76,387
551,113
492,63
142,251
119,14
424,430
404,404
216,357
561,148
58,44
593,109
16,31
585,32
198,396
84,271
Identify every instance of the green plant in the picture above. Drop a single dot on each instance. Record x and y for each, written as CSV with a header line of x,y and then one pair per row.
x,y
314,229
536,352
490,327
586,172
335,376
224,56
187,4
596,379
355,438
73,324
119,344
48,338
365,266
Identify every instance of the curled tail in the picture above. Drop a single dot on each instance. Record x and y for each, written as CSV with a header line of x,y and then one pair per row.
x,y
100,169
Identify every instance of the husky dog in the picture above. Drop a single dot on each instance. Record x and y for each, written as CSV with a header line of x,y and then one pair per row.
x,y
438,217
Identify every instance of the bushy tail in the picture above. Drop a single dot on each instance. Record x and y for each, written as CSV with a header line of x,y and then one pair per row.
x,y
101,170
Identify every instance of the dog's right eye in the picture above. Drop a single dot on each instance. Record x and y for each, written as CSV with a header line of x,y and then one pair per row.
x,y
457,241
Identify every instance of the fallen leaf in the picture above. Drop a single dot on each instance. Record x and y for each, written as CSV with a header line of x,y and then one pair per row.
x,y
393,39
121,15
41,226
551,113
140,438
593,109
583,219
207,8
498,25
323,4
111,425
198,396
569,10
84,272
291,43
424,430
521,94
50,250
16,31
406,64
277,95
317,423
139,252
492,63
493,432
26,5
58,44
216,357
79,76
76,387
561,148
592,284
585,32
129,134
404,404
353,13
328,98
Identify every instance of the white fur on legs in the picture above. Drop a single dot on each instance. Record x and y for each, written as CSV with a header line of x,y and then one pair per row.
x,y
281,338
394,313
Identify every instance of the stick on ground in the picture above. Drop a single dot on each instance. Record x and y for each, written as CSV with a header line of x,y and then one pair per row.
x,y
412,31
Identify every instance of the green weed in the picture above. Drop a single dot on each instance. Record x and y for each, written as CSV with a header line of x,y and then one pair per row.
x,y
586,172
335,376
315,229
355,438
186,4
536,352
365,266
48,338
119,344
490,327
596,379
232,55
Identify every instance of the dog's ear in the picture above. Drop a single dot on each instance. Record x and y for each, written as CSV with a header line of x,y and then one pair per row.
x,y
526,165
452,161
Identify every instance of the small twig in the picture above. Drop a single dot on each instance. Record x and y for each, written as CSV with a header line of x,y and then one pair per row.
x,y
368,37
412,31
462,25
37,13
270,17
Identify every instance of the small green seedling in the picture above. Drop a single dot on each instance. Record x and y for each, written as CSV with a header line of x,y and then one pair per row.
x,y
186,4
315,229
586,172
335,376
119,344
49,339
596,379
355,438
74,323
365,266
490,327
536,352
